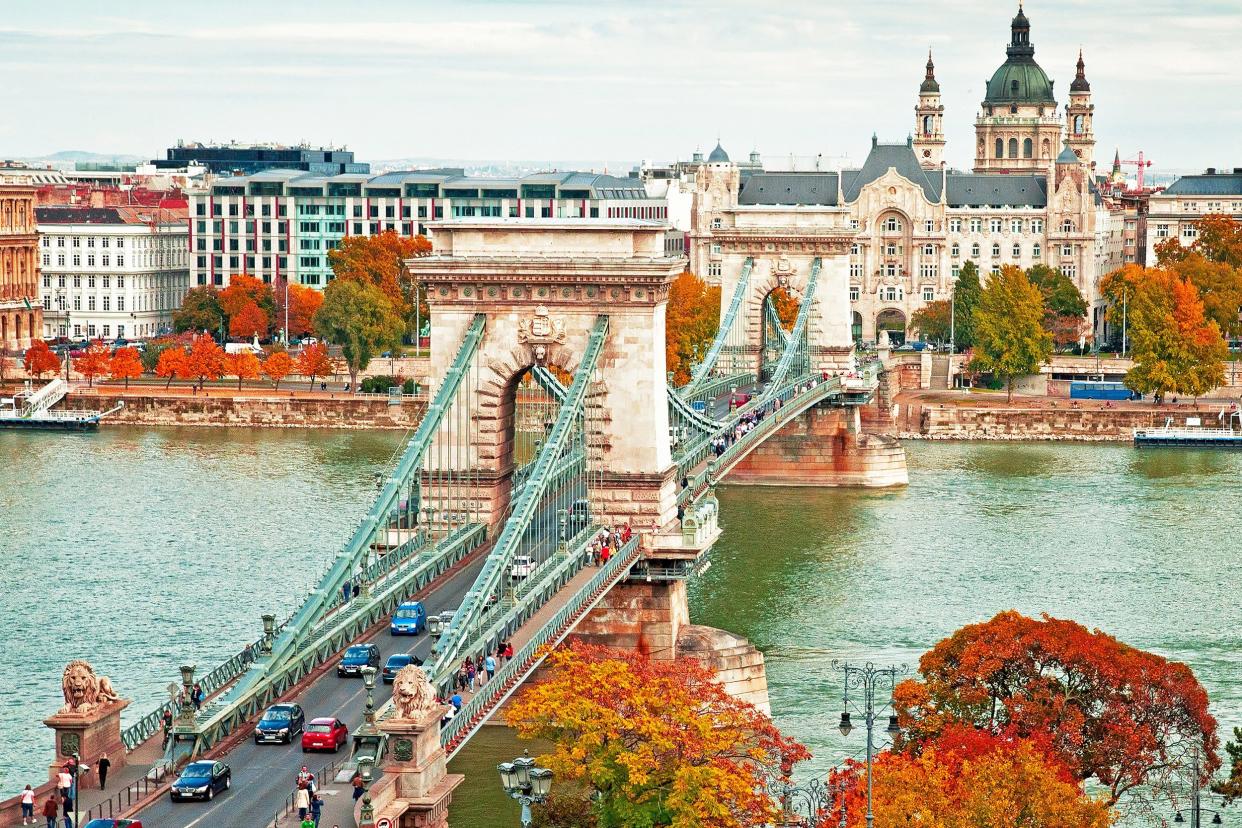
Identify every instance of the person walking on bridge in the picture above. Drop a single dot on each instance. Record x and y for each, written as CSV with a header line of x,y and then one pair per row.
x,y
28,806
102,768
301,801
49,810
316,809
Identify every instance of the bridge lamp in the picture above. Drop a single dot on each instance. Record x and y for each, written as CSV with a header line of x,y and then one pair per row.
x,y
525,783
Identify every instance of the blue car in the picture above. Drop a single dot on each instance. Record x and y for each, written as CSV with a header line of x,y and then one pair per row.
x,y
201,780
357,657
409,619
279,724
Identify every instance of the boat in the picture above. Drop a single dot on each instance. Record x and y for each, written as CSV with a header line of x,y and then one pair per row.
x,y
1193,434
31,408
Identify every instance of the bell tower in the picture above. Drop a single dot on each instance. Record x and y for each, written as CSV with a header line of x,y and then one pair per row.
x,y
1079,134
929,120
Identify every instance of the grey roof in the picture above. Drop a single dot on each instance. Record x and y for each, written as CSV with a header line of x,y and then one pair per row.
x,y
1067,156
1207,185
449,177
976,190
899,157
718,155
811,188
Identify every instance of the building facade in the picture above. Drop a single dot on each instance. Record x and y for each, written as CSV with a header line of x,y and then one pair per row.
x,y
246,159
111,272
1174,212
280,224
1031,200
20,314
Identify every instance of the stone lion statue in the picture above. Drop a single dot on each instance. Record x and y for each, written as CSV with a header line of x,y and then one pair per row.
x,y
412,694
84,691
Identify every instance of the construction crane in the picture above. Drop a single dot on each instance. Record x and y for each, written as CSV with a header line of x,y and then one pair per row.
x,y
1141,163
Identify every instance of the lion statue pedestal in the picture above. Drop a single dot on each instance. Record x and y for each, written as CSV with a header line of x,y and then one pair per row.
x,y
416,787
90,722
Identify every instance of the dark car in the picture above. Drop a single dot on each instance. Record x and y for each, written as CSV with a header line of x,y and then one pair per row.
x,y
396,662
357,657
201,780
279,724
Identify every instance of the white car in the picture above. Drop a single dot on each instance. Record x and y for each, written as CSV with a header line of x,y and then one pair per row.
x,y
522,567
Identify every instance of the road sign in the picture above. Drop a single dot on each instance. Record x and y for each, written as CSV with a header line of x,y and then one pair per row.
x,y
384,822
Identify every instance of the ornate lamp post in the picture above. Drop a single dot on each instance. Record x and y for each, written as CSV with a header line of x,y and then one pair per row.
x,y
868,678
366,769
187,692
367,736
526,783
1196,809
269,632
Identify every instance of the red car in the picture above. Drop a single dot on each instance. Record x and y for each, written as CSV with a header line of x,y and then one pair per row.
x,y
324,734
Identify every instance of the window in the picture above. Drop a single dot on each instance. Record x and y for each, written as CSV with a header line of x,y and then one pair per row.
x,y
1037,251
995,269
976,225
974,250
120,303
995,251
1000,147
90,281
120,260
853,224
956,271
77,303
1015,225
1037,225
105,260
892,225
854,248
854,293
715,251
955,225
1028,148
107,302
1189,231
928,271
955,250
1017,250
1162,231
717,224
107,331
994,225
1071,271
77,260
929,250
1067,226
47,260
90,302
1013,147
107,281
892,249
856,271
892,294
1067,250
104,241
714,269
929,226
929,294
60,241
90,241
47,303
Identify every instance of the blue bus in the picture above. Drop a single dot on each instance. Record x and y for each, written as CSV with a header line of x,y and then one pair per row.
x,y
1102,391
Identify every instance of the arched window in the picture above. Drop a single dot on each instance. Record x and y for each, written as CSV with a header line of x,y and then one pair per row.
x,y
1013,147
1017,251
1078,125
1045,149
956,250
927,124
1000,147
892,225
995,250
1037,251
1067,226
974,250
1028,148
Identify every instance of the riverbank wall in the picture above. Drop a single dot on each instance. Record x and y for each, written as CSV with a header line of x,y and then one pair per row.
x,y
924,420
273,411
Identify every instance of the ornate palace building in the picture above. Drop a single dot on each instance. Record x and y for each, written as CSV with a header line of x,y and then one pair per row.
x,y
20,314
1031,199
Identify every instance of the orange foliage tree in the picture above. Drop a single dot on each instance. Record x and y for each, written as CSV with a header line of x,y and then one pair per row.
x,y
690,323
1107,710
378,260
303,302
94,362
39,359
658,742
249,321
277,366
315,362
243,365
786,305
969,778
172,364
205,360
242,291
125,364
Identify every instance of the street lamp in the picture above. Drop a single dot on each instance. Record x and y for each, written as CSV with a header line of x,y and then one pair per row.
x,y
77,773
1196,809
869,678
366,769
526,783
269,632
810,805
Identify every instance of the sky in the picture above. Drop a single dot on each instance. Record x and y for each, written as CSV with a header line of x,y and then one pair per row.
x,y
598,81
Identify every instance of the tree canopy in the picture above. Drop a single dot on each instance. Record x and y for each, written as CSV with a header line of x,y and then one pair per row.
x,y
1009,335
315,362
303,302
379,260
690,323
359,318
125,364
932,320
966,293
277,366
39,359
200,311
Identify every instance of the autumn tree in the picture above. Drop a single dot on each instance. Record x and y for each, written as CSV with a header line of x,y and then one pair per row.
x,y
200,311
303,302
172,364
379,260
125,364
1219,285
932,321
1176,348
1107,711
277,366
1064,308
314,362
966,292
1218,238
244,365
1231,788
249,321
94,362
690,323
1009,337
359,318
787,306
204,361
243,291
657,743
40,359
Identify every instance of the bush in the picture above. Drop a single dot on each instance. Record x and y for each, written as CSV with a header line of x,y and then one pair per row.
x,y
378,385
407,387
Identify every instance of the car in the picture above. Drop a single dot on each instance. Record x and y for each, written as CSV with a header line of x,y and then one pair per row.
x,y
109,822
410,618
437,624
522,567
324,733
310,340
579,516
395,662
738,399
201,780
279,723
357,657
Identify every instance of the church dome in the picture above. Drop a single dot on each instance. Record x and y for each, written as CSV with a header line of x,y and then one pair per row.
x,y
1020,80
718,155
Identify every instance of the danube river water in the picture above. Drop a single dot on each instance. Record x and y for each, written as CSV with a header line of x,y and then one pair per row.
x,y
138,548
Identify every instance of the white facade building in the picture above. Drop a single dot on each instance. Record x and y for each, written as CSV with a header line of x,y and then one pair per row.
x,y
1175,212
111,272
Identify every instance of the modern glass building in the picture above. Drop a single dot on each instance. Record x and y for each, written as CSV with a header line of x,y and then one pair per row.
x,y
232,159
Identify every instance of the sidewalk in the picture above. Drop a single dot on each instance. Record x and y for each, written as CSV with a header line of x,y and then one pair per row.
x,y
338,808
124,786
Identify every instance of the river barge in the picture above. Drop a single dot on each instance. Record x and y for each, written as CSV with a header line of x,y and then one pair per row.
x,y
1193,434
31,408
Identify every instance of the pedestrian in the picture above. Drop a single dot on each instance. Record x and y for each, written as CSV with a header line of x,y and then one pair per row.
x,y
306,779
28,806
508,650
197,697
308,822
64,782
168,720
469,674
356,589
49,811
490,665
301,801
101,767
479,668
345,592
316,808
456,702
356,781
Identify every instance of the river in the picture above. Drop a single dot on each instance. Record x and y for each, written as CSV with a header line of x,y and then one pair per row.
x,y
138,547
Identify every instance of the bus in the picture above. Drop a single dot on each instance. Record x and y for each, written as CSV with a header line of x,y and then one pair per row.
x,y
1080,390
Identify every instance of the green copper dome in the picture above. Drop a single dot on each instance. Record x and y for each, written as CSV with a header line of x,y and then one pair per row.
x,y
1020,80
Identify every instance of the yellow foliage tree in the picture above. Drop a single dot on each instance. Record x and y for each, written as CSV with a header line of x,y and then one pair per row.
x,y
690,323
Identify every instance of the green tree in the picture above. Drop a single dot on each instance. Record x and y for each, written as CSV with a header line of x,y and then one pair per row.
x,y
1176,347
200,311
932,320
1009,334
1064,308
360,318
1231,788
965,299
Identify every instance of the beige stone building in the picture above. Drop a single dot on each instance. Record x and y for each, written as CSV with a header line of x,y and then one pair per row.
x,y
1031,199
20,313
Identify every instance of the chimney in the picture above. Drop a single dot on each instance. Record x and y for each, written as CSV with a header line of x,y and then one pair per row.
x,y
97,198
1210,171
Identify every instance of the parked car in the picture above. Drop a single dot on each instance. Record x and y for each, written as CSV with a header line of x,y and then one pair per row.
x,y
410,618
310,340
522,567
114,823
395,662
324,733
201,780
437,624
357,657
279,723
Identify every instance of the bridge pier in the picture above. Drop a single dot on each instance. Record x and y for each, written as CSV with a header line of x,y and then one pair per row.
x,y
825,446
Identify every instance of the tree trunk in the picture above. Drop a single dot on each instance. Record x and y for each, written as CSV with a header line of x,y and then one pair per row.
x,y
1009,389
168,384
278,384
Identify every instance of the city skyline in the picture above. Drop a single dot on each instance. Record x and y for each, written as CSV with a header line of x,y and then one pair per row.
x,y
565,79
